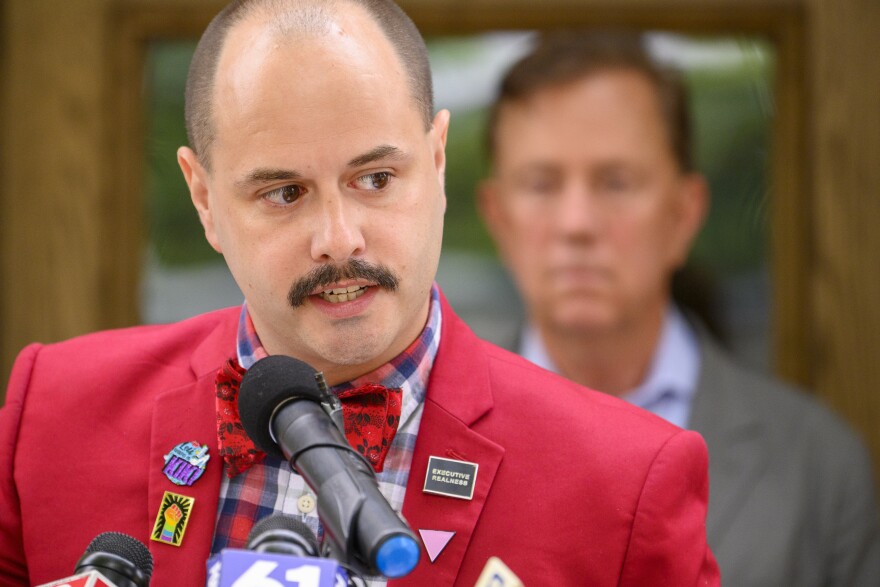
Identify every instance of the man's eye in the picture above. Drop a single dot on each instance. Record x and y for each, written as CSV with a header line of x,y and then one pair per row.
x,y
618,184
284,195
374,181
541,186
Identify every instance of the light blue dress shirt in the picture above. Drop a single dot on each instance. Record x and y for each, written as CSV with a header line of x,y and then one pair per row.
x,y
669,388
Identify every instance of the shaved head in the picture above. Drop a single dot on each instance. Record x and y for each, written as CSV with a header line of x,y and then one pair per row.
x,y
289,21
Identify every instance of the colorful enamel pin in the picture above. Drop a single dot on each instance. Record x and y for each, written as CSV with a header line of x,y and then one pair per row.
x,y
174,514
451,478
186,462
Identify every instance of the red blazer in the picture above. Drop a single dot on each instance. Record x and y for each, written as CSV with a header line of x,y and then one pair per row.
x,y
574,487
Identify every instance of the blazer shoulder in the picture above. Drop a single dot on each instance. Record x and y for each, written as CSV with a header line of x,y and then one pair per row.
x,y
631,460
727,389
791,427
160,342
127,358
517,381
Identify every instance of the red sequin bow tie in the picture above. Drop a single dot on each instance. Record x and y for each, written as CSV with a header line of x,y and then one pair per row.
x,y
371,414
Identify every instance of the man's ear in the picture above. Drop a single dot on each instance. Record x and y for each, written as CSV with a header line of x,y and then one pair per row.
x,y
439,130
197,179
488,205
692,208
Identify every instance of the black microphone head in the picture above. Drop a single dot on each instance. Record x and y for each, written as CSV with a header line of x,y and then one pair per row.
x,y
114,552
283,534
266,385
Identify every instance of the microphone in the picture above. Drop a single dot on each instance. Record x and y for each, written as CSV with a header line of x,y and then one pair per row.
x,y
112,559
281,534
285,413
281,551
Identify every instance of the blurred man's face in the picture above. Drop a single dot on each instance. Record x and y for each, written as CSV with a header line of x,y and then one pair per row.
x,y
321,158
587,205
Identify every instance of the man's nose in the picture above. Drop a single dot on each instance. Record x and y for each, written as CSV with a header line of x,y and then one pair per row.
x,y
337,234
577,211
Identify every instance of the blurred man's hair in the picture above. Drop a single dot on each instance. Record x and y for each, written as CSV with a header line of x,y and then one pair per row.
x,y
564,57
292,19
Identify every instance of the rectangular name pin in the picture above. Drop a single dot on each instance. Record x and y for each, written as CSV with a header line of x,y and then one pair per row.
x,y
451,478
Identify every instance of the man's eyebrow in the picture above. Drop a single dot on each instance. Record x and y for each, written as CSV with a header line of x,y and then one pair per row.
x,y
262,175
380,152
268,174
545,167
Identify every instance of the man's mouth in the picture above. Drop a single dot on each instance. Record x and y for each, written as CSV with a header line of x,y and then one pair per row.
x,y
342,294
337,284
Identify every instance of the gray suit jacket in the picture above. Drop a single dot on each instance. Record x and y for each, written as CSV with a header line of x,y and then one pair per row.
x,y
792,500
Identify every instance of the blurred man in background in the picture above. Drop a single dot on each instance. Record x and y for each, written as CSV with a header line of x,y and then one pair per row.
x,y
593,203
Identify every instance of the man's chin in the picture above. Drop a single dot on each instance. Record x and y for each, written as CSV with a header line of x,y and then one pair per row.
x,y
348,352
592,320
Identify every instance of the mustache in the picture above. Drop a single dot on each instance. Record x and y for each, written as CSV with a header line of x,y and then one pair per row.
x,y
326,275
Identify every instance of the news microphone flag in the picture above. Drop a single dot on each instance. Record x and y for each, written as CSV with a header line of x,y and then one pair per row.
x,y
89,579
245,568
497,574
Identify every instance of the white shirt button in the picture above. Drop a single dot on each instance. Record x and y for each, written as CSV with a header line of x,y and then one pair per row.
x,y
307,503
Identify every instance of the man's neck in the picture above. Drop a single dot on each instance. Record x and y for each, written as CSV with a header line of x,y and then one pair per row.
x,y
614,361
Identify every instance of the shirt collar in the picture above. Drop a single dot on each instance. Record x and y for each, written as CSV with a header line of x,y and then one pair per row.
x,y
248,345
532,348
674,367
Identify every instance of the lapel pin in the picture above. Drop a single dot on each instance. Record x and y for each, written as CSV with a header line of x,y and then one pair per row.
x,y
497,574
451,478
435,541
174,514
186,462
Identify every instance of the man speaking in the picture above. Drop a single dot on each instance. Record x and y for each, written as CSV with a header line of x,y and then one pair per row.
x,y
316,165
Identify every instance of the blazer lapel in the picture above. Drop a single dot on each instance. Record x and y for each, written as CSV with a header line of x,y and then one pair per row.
x,y
184,414
733,435
458,395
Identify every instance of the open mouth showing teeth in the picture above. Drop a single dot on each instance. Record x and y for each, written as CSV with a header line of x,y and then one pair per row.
x,y
343,294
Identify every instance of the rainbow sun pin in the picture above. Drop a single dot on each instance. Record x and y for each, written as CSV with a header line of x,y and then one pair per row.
x,y
174,514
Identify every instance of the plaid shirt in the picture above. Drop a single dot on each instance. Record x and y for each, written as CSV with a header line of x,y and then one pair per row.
x,y
272,487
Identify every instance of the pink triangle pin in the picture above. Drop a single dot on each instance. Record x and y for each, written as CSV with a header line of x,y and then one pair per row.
x,y
435,541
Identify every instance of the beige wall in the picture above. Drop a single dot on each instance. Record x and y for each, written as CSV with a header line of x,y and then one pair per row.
x,y
70,176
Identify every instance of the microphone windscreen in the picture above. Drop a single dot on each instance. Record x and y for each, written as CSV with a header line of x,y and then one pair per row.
x,y
124,546
279,530
267,384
